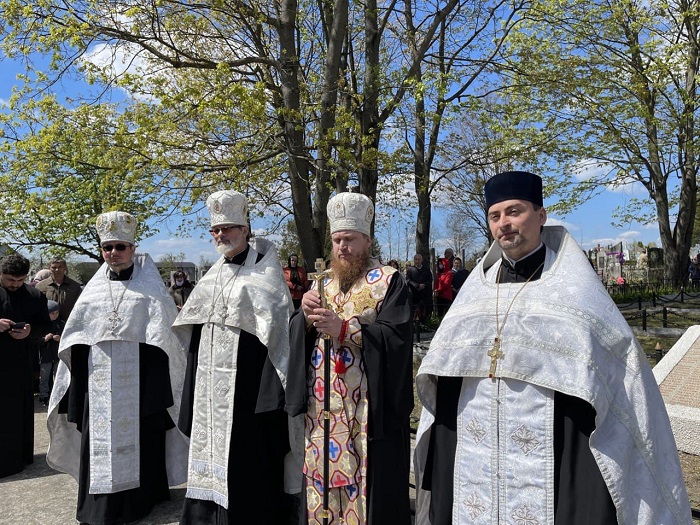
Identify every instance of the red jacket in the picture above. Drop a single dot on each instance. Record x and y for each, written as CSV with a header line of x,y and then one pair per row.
x,y
443,281
298,286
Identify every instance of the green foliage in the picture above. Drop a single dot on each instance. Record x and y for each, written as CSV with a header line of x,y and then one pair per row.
x,y
289,244
284,102
219,95
169,263
610,82
68,168
84,271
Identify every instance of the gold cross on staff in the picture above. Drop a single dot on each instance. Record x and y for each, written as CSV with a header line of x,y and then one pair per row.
x,y
495,354
319,276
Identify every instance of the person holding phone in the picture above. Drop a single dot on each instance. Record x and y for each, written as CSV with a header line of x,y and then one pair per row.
x,y
23,316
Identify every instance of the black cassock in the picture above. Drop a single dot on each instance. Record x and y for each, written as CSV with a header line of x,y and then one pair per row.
x,y
155,397
387,351
259,437
580,494
16,380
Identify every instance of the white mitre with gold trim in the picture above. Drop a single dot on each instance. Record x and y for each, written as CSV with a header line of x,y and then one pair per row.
x,y
228,207
116,226
350,211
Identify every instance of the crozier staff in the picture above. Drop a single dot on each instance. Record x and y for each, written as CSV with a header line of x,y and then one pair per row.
x,y
538,404
368,319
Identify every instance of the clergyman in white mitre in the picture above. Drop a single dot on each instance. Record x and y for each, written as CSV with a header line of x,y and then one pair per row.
x,y
118,386
366,314
237,320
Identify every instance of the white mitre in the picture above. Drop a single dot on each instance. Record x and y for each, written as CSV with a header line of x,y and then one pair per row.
x,y
228,207
116,226
350,211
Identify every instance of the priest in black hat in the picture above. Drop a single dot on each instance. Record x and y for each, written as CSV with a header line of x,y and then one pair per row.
x,y
538,404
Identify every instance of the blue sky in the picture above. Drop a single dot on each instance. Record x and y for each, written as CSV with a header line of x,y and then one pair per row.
x,y
590,224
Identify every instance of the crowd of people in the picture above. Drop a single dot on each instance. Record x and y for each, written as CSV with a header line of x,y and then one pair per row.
x,y
275,394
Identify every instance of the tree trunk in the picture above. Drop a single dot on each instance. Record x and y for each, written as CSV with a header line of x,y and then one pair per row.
x,y
368,172
310,227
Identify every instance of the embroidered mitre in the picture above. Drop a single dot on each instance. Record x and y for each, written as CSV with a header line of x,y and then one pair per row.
x,y
350,211
228,207
116,226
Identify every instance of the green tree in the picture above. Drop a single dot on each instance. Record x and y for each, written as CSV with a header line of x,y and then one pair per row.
x,y
169,263
459,67
479,149
618,81
61,168
278,99
289,244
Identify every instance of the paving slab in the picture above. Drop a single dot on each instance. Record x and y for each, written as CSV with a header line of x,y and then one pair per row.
x,y
678,377
40,495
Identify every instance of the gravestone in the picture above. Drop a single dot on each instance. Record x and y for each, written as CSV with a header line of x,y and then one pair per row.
x,y
656,257
614,268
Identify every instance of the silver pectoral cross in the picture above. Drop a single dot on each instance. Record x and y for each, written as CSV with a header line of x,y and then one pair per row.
x,y
114,320
495,354
223,313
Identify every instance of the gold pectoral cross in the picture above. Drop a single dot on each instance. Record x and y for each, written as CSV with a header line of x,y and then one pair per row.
x,y
495,354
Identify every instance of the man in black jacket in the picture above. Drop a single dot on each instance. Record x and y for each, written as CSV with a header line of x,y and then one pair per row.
x,y
420,283
23,318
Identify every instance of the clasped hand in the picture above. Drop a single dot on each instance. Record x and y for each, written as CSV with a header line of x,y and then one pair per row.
x,y
324,320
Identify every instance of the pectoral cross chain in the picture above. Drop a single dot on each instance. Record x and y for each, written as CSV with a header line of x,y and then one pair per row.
x,y
495,354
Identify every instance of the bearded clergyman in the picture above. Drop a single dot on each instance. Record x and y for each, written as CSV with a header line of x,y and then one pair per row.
x,y
237,319
539,406
366,312
118,385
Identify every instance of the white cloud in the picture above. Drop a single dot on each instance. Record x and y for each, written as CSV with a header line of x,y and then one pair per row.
x,y
115,61
632,189
625,237
594,170
571,227
588,169
630,235
119,59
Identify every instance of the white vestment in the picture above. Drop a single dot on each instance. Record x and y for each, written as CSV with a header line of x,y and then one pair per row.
x,y
145,314
229,299
563,333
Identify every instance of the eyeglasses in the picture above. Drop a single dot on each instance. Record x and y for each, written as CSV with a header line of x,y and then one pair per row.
x,y
223,229
118,247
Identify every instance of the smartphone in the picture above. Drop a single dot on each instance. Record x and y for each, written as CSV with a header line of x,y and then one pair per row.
x,y
19,326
